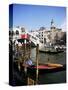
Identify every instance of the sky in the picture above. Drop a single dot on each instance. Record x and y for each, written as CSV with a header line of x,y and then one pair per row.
x,y
33,17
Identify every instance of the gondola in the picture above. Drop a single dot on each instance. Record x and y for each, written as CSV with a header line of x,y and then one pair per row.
x,y
51,52
46,68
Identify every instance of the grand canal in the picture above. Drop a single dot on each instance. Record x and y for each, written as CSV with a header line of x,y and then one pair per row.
x,y
45,78
51,78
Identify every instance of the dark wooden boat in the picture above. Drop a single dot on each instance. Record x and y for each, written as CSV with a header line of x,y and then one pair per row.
x,y
50,52
47,68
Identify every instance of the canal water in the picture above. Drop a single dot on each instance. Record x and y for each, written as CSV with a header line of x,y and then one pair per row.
x,y
51,78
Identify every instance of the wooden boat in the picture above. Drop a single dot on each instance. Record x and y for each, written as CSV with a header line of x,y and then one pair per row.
x,y
46,68
50,52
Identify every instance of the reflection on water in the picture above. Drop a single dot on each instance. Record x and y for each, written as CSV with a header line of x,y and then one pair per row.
x,y
51,58
52,78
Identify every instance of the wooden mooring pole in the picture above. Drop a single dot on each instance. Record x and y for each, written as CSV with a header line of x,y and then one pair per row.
x,y
37,61
17,46
25,69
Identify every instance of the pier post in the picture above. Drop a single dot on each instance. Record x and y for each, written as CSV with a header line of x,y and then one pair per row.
x,y
29,48
18,56
37,61
25,68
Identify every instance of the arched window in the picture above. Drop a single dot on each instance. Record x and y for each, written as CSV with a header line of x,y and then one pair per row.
x,y
22,29
17,32
10,33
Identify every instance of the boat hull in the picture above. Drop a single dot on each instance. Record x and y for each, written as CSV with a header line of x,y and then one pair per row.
x,y
46,70
50,52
